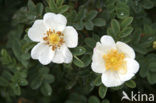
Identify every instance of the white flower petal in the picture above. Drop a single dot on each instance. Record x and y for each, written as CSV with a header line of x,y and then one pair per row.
x,y
98,64
36,50
111,79
42,52
62,55
127,50
55,21
70,37
132,69
35,33
46,55
108,42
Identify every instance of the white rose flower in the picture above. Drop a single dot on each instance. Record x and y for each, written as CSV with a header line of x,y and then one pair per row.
x,y
54,38
116,61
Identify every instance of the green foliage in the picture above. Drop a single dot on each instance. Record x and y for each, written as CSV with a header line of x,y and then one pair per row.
x,y
23,80
131,84
56,6
102,91
93,99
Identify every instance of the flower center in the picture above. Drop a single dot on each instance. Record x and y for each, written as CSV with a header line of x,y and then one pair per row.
x,y
54,39
114,60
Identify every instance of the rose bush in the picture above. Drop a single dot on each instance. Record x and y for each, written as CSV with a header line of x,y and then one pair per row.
x,y
76,51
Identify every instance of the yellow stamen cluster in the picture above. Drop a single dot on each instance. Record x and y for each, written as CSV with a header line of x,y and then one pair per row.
x,y
54,39
114,60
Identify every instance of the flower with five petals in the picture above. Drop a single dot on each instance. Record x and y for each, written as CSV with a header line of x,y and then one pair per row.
x,y
54,38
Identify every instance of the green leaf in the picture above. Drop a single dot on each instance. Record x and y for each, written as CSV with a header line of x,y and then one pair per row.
x,y
46,89
115,26
126,22
31,5
105,101
48,78
117,88
147,4
151,77
89,25
143,67
110,32
102,91
7,75
131,84
16,89
83,62
152,66
52,5
126,32
23,82
63,9
78,62
78,51
77,98
99,22
59,2
36,82
140,49
122,10
3,82
97,81
90,42
86,59
91,15
93,99
96,37
39,8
